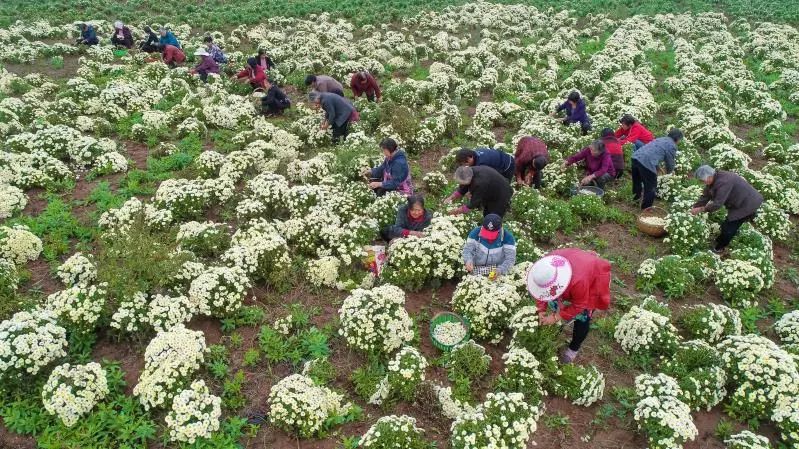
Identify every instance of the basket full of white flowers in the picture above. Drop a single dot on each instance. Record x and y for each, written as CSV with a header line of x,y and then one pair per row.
x,y
448,329
652,222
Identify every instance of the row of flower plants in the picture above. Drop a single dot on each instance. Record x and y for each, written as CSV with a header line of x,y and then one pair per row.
x,y
291,202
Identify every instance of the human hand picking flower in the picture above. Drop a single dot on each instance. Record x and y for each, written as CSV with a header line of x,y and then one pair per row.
x,y
416,233
469,267
375,184
697,210
587,180
547,319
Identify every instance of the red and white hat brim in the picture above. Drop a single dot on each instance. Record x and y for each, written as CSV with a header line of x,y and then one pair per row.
x,y
554,288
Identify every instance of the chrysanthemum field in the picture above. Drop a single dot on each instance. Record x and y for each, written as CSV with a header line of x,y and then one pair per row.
x,y
179,271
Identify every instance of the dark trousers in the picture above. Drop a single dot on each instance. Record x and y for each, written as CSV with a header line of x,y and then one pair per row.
x,y
203,75
273,107
340,132
148,48
338,92
579,334
638,144
729,229
370,96
644,181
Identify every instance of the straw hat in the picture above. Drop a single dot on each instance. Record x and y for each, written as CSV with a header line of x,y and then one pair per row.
x,y
548,278
201,52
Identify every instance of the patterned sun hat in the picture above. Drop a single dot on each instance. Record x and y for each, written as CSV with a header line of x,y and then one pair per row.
x,y
548,278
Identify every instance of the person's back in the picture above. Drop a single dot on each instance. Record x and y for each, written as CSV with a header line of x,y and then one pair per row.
x,y
169,39
657,151
496,159
327,84
739,197
490,190
338,109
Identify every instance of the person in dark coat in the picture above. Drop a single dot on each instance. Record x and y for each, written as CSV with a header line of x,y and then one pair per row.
x,y
575,112
150,43
167,38
394,174
88,36
597,164
530,159
500,161
206,66
645,165
264,60
614,149
363,83
489,190
338,113
412,219
122,36
723,188
275,101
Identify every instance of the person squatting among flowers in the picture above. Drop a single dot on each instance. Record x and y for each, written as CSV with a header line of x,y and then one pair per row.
x,y
412,219
394,174
598,165
569,284
490,249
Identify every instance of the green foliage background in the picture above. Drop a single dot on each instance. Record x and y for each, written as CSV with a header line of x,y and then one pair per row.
x,y
226,13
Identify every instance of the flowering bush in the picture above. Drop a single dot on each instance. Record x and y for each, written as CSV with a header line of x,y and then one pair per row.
x,y
747,440
323,272
415,261
739,282
394,431
697,368
29,341
773,221
665,419
169,360
297,405
670,273
787,327
522,375
583,385
641,331
164,312
79,306
204,239
183,197
72,391
261,253
502,420
376,320
9,279
18,244
759,372
219,291
12,200
78,270
404,374
487,304
710,322
195,414
131,314
686,233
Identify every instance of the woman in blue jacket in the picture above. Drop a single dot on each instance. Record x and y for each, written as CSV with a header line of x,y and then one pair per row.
x,y
167,38
394,174
87,35
575,112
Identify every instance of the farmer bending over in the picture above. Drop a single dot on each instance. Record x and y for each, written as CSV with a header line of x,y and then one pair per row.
x,y
88,36
364,83
575,112
568,285
338,113
530,158
500,161
122,36
324,84
613,147
632,131
275,101
489,190
598,166
645,165
723,188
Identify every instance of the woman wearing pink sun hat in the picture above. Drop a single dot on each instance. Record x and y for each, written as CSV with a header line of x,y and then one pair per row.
x,y
569,284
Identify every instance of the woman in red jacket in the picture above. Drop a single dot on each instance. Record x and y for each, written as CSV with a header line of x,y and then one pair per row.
x,y
569,284
531,157
364,83
253,73
613,147
632,131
